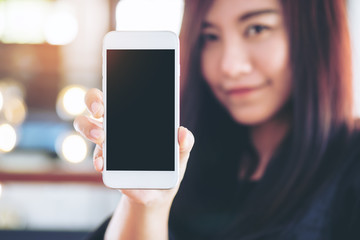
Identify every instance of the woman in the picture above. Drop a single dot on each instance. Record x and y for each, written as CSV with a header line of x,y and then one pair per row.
x,y
267,95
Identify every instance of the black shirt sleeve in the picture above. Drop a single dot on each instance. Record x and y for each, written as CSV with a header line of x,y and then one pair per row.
x,y
99,233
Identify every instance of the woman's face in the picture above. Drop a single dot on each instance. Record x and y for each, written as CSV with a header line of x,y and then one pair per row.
x,y
245,58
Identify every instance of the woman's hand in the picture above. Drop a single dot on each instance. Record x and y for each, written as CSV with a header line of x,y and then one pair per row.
x,y
140,212
93,130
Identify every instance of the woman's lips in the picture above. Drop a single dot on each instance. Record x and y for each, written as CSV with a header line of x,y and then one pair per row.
x,y
242,90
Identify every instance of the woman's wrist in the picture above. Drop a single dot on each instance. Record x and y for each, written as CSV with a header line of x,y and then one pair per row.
x,y
150,205
138,220
147,211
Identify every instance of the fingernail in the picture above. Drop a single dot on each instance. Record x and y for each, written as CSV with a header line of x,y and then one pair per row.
x,y
96,133
96,108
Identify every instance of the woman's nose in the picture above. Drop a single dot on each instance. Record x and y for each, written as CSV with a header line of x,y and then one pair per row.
x,y
235,60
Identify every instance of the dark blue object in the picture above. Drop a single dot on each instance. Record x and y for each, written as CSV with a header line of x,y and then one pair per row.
x,y
41,235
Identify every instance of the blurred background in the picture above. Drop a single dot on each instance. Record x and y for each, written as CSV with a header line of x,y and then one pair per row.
x,y
50,54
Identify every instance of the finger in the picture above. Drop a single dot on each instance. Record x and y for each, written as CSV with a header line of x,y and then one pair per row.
x,y
90,129
94,102
98,159
186,142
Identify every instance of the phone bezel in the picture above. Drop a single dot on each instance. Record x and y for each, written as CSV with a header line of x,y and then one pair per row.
x,y
142,40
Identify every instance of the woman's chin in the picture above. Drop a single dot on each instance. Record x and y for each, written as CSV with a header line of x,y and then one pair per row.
x,y
252,119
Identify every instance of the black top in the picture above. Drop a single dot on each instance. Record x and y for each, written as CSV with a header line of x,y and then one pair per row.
x,y
208,202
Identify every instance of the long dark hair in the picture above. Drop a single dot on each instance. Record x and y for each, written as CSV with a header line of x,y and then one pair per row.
x,y
320,106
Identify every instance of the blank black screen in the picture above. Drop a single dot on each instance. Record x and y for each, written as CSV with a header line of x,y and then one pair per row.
x,y
140,110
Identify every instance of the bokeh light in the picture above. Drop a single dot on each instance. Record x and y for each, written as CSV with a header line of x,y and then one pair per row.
x,y
24,20
7,137
12,105
1,100
15,110
61,28
2,24
37,21
12,88
74,100
72,148
70,102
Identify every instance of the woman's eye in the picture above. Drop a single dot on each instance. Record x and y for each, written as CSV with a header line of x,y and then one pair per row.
x,y
256,30
209,37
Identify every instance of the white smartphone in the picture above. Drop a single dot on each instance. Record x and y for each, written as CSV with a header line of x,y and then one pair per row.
x,y
141,99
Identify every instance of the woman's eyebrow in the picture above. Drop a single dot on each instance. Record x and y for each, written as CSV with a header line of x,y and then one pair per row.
x,y
248,15
205,24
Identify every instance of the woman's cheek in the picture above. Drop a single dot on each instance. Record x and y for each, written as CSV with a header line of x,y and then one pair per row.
x,y
272,55
210,60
